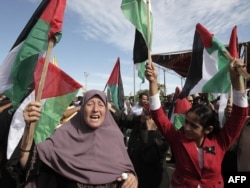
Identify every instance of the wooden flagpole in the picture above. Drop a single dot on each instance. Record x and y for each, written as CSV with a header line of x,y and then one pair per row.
x,y
26,143
245,54
149,32
241,71
134,85
45,70
105,87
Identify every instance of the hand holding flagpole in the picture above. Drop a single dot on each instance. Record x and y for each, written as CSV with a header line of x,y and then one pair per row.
x,y
240,69
52,14
27,140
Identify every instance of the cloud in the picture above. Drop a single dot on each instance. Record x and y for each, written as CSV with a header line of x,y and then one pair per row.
x,y
100,27
173,28
174,21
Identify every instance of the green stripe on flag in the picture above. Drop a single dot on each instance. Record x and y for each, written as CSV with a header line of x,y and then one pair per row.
x,y
52,112
136,12
25,62
179,120
220,80
114,95
141,71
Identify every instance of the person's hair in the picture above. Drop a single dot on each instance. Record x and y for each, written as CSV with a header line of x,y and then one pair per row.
x,y
142,94
79,98
207,116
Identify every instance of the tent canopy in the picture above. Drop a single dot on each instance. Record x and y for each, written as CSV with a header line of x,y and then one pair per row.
x,y
176,61
180,61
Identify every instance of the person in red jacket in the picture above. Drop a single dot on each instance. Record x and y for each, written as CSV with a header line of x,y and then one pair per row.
x,y
199,147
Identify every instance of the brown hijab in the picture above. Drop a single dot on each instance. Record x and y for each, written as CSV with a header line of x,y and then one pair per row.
x,y
86,155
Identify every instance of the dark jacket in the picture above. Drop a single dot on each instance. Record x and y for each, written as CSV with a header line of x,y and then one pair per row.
x,y
147,151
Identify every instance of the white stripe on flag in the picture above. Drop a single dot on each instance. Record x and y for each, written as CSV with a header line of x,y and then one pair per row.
x,y
5,69
17,124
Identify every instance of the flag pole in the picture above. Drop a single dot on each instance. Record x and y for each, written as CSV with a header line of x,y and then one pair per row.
x,y
149,32
105,87
26,143
45,70
245,49
241,71
134,86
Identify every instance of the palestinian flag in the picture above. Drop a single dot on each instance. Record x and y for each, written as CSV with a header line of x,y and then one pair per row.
x,y
175,97
141,68
136,12
208,72
140,51
16,72
115,86
58,92
178,109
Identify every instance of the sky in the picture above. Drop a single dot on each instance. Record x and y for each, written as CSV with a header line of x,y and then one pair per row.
x,y
95,33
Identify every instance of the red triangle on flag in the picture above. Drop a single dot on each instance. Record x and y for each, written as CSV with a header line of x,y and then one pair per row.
x,y
233,43
57,82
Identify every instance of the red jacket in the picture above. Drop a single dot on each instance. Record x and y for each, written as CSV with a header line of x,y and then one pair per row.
x,y
188,173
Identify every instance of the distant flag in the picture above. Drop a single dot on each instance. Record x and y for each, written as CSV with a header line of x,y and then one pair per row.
x,y
115,86
175,97
178,109
137,13
208,72
16,72
58,93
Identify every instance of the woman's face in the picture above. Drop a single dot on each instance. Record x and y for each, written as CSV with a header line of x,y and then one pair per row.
x,y
94,112
193,130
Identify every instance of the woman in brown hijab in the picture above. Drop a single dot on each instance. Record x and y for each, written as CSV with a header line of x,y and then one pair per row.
x,y
87,152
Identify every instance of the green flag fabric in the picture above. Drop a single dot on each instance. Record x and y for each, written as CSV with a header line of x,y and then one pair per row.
x,y
136,11
115,86
208,72
58,93
140,67
17,69
16,72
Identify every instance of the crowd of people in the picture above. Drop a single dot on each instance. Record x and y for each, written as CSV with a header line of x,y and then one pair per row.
x,y
88,149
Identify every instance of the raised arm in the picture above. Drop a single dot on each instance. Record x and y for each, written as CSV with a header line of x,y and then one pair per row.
x,y
158,115
236,78
151,75
31,115
235,122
